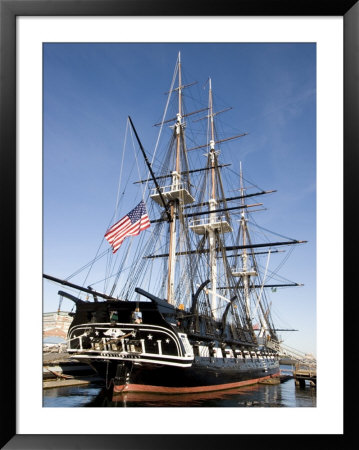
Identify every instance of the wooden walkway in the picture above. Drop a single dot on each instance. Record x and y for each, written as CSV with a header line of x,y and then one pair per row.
x,y
305,372
59,382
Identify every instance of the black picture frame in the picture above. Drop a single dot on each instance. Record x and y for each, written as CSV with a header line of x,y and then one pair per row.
x,y
9,10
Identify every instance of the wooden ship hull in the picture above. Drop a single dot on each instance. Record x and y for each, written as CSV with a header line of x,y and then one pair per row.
x,y
163,352
204,375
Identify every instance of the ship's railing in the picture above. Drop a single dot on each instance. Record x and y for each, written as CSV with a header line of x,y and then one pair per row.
x,y
170,188
207,221
238,271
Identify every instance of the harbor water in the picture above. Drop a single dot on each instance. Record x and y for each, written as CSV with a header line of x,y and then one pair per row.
x,y
285,394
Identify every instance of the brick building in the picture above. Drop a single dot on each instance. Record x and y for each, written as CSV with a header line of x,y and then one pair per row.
x,y
56,324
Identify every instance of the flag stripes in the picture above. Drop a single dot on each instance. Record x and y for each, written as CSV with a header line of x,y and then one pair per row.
x,y
130,225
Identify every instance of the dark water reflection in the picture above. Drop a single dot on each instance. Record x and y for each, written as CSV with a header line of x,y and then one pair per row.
x,y
282,395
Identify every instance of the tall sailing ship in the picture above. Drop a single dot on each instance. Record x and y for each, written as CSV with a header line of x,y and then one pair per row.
x,y
191,311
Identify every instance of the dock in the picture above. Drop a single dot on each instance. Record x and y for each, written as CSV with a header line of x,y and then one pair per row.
x,y
61,371
304,366
305,372
301,373
82,381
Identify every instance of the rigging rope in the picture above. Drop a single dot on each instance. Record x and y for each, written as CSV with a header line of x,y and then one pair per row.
x,y
97,257
269,231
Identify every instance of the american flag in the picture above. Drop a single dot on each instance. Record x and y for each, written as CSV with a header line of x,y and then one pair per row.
x,y
130,225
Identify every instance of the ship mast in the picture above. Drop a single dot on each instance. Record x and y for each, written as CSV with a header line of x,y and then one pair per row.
x,y
214,225
177,194
243,226
175,185
212,207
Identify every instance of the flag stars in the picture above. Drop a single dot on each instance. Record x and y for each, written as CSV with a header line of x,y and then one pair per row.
x,y
130,225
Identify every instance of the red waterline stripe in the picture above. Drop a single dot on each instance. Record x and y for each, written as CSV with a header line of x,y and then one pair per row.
x,y
186,390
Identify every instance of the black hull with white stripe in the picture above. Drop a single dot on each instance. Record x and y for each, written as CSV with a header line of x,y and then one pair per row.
x,y
161,356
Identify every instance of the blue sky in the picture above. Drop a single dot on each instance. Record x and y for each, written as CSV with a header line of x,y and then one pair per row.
x,y
90,89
